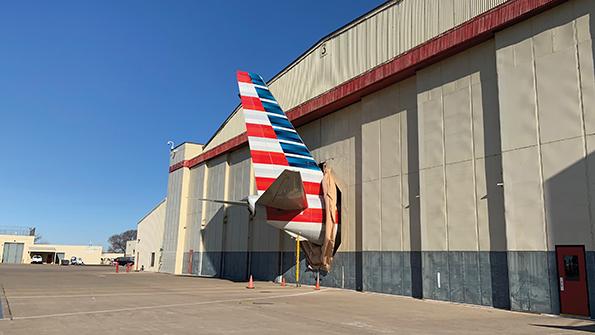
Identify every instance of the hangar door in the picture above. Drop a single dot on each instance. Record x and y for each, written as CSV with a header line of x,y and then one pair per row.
x,y
13,253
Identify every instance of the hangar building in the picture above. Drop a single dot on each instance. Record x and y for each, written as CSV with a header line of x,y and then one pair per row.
x,y
461,134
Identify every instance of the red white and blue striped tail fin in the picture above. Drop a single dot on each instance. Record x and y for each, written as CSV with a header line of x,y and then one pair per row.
x,y
275,146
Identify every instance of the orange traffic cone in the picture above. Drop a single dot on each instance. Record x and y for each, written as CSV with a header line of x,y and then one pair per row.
x,y
250,283
317,287
283,283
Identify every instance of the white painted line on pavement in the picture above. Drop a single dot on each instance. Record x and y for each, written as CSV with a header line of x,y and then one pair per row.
x,y
140,308
172,292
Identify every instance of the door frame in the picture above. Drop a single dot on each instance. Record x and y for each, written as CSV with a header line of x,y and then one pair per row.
x,y
586,274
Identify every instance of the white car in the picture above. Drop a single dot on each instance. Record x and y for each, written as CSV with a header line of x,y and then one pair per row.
x,y
36,259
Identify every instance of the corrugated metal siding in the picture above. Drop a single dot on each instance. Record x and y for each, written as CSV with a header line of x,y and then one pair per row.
x,y
172,219
193,221
236,231
369,43
212,233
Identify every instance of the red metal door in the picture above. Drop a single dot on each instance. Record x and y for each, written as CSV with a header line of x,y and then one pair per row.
x,y
572,280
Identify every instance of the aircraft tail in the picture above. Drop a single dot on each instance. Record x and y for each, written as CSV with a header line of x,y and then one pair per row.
x,y
275,145
287,175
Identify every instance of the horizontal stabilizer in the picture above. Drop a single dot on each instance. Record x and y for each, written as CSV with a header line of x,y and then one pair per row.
x,y
226,202
286,192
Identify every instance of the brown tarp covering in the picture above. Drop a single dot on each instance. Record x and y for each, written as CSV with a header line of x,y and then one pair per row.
x,y
320,257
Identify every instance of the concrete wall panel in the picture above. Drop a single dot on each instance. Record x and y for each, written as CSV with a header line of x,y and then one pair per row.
x,y
390,145
310,134
517,107
371,215
590,165
486,119
566,198
406,208
460,192
433,206
557,93
431,151
337,145
391,214
371,151
490,204
458,135
523,199
587,73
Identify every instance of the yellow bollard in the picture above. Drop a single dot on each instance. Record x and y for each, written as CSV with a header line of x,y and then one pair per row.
x,y
297,261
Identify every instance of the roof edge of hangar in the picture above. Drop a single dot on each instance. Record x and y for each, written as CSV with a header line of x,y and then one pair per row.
x,y
463,36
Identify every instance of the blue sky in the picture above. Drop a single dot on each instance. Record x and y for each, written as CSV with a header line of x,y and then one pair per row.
x,y
91,91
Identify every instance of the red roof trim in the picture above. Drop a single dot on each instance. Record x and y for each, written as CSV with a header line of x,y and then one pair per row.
x,y
403,66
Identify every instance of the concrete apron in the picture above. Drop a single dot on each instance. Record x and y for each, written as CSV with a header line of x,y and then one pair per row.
x,y
524,281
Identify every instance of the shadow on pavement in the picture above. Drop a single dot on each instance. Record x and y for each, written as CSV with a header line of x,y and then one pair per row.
x,y
585,328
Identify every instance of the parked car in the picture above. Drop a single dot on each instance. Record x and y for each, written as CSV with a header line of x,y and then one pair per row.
x,y
76,261
124,260
36,259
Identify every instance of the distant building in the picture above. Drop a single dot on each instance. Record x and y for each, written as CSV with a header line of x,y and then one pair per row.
x,y
130,248
150,239
19,248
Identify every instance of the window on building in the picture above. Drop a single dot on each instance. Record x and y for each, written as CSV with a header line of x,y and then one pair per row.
x,y
152,259
571,268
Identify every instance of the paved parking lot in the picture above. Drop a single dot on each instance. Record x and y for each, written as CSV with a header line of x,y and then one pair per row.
x,y
48,299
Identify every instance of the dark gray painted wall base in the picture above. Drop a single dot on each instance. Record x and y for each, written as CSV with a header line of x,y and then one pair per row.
x,y
479,278
590,260
531,286
516,280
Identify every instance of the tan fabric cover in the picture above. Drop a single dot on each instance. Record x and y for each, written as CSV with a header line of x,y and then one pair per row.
x,y
320,257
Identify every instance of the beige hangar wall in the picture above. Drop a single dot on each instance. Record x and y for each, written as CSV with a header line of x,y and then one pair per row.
x,y
457,183
547,104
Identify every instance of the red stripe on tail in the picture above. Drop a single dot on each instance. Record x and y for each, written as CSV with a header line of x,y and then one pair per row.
x,y
260,130
252,103
267,157
313,215
244,77
263,183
